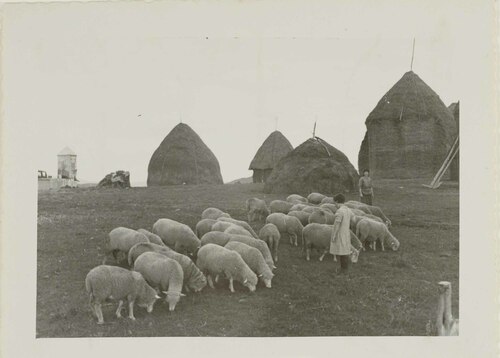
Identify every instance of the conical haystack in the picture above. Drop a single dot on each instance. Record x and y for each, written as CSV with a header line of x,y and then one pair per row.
x,y
408,133
183,158
314,166
275,147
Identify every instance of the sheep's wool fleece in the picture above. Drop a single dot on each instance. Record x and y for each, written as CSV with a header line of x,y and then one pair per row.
x,y
341,244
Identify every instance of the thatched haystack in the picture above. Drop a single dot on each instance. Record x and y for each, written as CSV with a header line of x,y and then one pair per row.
x,y
183,158
408,133
275,147
455,164
314,166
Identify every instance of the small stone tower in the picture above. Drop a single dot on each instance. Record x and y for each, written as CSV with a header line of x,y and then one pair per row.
x,y
66,164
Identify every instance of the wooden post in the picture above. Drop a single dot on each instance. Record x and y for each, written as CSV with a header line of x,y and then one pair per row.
x,y
412,54
314,130
445,323
447,162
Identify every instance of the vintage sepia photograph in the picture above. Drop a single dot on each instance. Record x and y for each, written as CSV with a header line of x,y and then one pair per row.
x,y
217,169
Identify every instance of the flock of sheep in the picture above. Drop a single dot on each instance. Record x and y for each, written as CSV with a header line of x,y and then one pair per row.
x,y
161,261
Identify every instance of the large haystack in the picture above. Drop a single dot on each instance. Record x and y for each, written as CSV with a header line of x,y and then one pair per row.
x,y
183,158
314,166
408,133
455,164
275,147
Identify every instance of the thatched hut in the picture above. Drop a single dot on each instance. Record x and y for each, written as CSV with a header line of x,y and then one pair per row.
x,y
275,147
455,164
408,133
314,166
183,158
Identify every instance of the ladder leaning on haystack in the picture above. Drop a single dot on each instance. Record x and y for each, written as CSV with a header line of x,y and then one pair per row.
x,y
436,182
446,324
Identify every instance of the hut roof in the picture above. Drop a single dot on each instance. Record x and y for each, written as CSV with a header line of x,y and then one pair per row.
x,y
314,165
183,158
66,151
412,98
275,147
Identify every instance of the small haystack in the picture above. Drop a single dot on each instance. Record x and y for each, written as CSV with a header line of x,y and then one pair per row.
x,y
275,147
118,179
183,158
409,132
314,166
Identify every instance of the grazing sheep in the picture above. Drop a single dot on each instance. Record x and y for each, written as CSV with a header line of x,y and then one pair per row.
x,y
155,239
241,223
122,239
328,200
322,217
298,207
295,199
315,198
213,213
370,230
357,212
318,236
193,278
256,208
215,237
289,225
163,273
271,235
354,205
142,247
214,260
116,283
177,236
221,226
301,215
203,226
254,259
237,230
332,207
355,219
374,210
280,206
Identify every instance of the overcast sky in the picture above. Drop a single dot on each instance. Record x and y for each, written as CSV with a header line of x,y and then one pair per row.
x,y
110,80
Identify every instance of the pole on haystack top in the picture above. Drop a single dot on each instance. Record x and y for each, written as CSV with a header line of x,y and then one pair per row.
x,y
412,55
314,130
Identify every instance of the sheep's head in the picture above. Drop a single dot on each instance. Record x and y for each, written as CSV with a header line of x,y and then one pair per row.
x,y
197,282
394,244
251,284
388,223
172,298
266,277
148,299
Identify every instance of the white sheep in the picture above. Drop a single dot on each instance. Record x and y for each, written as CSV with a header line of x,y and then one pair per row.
x,y
155,239
121,239
318,236
295,199
163,273
289,225
311,209
328,200
322,216
215,237
221,226
254,259
256,208
241,223
213,213
193,278
301,215
370,209
214,260
237,230
112,282
298,207
203,226
315,198
176,235
372,231
328,206
280,206
271,235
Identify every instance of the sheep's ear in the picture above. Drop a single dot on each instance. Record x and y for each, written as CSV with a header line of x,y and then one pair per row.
x,y
246,280
165,292
182,295
157,297
260,275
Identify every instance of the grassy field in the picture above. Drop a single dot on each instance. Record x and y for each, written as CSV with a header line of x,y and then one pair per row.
x,y
386,293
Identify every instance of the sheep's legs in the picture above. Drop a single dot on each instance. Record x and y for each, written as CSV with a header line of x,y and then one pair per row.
x,y
308,253
131,309
98,312
210,282
231,284
119,309
381,244
323,256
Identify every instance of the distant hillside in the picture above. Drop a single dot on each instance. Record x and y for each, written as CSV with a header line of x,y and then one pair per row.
x,y
241,181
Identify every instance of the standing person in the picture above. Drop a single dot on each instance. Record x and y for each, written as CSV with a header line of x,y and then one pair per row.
x,y
365,188
340,244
